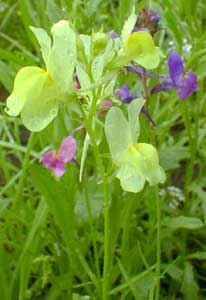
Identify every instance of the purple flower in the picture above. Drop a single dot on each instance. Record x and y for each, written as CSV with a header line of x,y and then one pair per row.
x,y
141,72
185,83
56,160
124,94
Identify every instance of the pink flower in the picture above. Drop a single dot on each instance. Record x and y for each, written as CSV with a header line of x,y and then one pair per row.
x,y
56,160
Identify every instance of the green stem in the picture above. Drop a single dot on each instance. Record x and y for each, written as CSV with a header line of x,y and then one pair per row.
x,y
158,246
106,214
19,148
93,234
125,226
25,167
100,166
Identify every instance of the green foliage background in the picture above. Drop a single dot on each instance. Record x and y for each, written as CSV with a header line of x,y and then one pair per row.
x,y
43,221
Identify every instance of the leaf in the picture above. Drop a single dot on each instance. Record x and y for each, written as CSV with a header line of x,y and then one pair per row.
x,y
197,255
189,286
44,42
86,43
171,155
83,77
6,76
115,124
134,109
59,196
128,26
182,222
97,67
140,47
62,57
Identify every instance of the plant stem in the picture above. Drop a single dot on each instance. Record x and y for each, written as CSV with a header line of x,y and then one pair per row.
x,y
105,283
25,166
106,215
93,234
158,246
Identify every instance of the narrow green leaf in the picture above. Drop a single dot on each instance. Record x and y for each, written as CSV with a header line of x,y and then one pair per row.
x,y
183,222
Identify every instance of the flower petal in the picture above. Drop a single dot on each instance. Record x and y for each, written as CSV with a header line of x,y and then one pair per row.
x,y
35,97
187,85
140,47
40,106
62,55
59,168
51,160
48,159
22,83
67,149
151,169
129,178
116,123
165,85
176,68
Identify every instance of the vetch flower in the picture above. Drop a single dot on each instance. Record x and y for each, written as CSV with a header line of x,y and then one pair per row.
x,y
56,160
37,92
185,83
135,162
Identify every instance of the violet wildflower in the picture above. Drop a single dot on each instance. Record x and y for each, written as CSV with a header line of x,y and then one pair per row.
x,y
185,83
124,94
56,160
141,72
